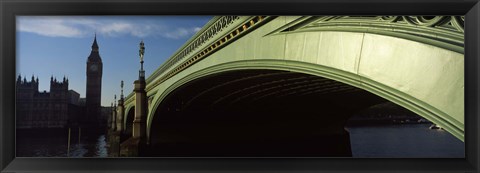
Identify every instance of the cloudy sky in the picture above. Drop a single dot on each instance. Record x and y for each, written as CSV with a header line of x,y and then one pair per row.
x,y
60,45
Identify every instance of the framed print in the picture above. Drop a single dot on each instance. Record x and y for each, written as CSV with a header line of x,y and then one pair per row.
x,y
239,86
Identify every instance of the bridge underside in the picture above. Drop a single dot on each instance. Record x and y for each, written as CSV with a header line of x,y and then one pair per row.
x,y
257,113
128,121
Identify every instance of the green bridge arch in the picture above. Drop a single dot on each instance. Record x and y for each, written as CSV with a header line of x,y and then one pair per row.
x,y
424,75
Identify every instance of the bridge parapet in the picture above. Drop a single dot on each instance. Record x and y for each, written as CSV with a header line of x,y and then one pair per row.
x,y
217,37
441,31
215,34
210,31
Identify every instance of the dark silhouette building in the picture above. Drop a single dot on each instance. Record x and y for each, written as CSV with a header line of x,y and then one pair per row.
x,y
62,107
94,87
54,109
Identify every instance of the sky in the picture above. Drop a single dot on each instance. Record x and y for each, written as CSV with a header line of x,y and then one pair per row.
x,y
59,46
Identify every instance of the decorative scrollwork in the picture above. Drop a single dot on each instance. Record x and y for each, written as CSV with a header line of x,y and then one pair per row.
x,y
428,21
458,22
446,22
442,31
389,18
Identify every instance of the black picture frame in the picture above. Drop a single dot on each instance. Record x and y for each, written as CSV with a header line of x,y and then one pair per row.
x,y
10,8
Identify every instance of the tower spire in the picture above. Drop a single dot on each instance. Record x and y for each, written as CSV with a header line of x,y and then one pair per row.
x,y
95,45
94,54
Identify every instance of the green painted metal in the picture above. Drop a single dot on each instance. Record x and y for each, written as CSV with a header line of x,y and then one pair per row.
x,y
421,108
418,72
441,31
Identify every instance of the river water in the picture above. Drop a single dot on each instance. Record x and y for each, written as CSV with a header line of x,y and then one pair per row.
x,y
404,141
54,143
401,141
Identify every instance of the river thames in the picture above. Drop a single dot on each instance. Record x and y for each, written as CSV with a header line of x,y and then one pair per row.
x,y
384,141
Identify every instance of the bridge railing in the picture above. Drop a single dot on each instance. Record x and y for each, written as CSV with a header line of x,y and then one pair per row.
x,y
215,34
197,41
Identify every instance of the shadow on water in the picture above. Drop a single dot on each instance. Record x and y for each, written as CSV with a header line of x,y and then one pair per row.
x,y
54,143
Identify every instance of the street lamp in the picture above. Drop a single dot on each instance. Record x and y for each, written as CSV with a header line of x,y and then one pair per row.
x,y
141,53
121,93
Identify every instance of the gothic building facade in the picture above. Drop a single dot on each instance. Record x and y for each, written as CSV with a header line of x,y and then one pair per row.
x,y
54,109
62,107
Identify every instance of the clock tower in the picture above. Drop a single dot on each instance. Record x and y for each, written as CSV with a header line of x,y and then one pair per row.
x,y
94,86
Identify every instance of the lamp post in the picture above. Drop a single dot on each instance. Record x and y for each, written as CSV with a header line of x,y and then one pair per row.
x,y
141,52
133,146
120,110
114,113
139,127
112,118
121,90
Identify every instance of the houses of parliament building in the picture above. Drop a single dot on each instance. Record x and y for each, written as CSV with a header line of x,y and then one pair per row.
x,y
62,107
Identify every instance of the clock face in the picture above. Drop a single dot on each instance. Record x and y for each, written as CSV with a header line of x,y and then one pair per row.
x,y
94,67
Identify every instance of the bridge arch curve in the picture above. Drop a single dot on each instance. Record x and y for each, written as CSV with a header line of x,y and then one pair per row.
x,y
394,95
421,73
